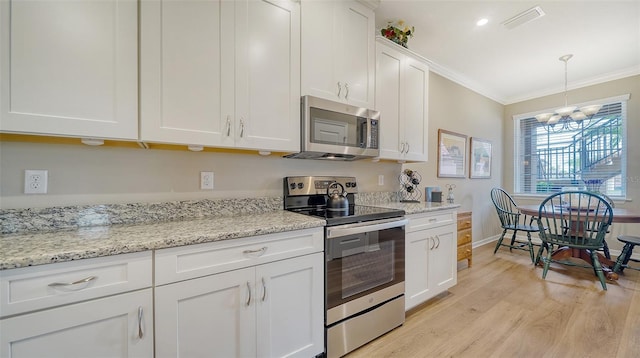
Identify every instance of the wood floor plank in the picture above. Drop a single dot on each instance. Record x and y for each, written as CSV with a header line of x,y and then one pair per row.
x,y
501,307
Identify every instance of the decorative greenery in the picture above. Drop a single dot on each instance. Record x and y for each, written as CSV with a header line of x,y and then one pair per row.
x,y
398,32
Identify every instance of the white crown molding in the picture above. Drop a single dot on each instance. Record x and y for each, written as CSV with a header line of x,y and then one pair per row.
x,y
612,76
466,82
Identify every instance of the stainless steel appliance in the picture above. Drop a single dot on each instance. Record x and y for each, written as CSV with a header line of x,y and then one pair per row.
x,y
364,266
337,131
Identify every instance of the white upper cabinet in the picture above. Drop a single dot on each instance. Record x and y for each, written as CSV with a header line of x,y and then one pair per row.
x,y
402,83
338,51
69,68
221,73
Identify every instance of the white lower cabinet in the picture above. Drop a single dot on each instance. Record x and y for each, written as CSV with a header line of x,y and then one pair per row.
x,y
100,325
430,256
272,309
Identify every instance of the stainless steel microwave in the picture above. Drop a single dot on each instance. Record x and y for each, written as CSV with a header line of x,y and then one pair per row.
x,y
337,131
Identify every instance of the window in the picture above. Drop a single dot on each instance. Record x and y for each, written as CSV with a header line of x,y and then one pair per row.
x,y
588,154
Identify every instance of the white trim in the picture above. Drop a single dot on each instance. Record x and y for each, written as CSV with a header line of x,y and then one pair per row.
x,y
614,99
628,72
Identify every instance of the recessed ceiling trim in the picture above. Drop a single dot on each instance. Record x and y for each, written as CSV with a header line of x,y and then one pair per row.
x,y
522,18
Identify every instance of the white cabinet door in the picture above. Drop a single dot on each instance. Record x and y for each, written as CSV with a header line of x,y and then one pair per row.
x,y
338,51
69,68
402,83
212,315
116,326
357,54
267,75
389,64
442,259
186,72
221,73
417,289
291,307
430,257
270,310
415,119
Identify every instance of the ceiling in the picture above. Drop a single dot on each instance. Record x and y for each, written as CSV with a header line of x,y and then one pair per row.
x,y
512,65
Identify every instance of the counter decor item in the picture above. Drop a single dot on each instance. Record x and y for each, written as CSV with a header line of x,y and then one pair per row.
x,y
398,32
450,197
433,194
409,192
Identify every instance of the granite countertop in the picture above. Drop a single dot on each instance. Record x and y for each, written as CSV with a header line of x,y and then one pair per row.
x,y
43,236
29,249
418,208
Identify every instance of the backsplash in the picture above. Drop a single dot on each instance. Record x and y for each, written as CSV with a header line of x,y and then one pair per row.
x,y
13,221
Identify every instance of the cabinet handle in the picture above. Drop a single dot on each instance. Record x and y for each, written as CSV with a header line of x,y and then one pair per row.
x,y
264,290
432,220
241,128
259,251
339,89
140,332
401,147
408,147
346,87
228,126
433,243
438,245
84,280
248,294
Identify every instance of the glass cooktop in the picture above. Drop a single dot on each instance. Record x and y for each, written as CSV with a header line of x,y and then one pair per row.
x,y
355,213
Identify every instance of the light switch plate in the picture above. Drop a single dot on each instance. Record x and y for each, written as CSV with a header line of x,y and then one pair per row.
x,y
206,180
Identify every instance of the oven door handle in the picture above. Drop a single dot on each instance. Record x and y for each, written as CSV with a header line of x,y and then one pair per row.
x,y
359,228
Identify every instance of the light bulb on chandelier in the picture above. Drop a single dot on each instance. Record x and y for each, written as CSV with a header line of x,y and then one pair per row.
x,y
567,113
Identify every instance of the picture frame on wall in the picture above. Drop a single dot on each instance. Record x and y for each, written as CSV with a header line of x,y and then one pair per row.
x,y
479,158
452,149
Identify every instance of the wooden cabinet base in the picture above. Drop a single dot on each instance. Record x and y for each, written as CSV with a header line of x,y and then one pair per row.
x,y
465,251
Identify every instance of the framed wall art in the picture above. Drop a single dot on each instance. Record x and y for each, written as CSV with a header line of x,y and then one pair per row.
x,y
480,158
452,149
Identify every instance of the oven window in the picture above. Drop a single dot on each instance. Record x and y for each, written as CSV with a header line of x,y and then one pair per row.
x,y
366,266
360,264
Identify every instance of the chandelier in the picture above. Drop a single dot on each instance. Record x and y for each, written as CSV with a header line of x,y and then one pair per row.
x,y
570,116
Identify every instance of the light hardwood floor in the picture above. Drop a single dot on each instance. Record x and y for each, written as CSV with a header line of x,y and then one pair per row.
x,y
501,307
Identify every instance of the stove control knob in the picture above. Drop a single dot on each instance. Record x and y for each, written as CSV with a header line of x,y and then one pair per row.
x,y
300,185
353,184
292,186
347,184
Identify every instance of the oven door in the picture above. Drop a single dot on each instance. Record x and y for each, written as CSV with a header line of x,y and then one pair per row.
x,y
364,266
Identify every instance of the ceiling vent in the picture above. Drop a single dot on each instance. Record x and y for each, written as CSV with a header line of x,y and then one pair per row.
x,y
524,17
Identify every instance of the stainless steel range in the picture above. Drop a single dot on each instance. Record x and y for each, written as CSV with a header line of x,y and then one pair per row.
x,y
364,267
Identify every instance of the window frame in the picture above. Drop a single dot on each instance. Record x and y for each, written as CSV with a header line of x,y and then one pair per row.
x,y
517,143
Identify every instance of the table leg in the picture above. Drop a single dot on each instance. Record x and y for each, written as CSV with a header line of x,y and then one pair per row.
x,y
564,253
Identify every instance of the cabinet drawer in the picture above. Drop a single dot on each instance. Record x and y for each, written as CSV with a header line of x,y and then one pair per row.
x,y
464,221
464,251
427,221
182,263
37,287
464,236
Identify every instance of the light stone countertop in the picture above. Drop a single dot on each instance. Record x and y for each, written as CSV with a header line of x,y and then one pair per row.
x,y
107,238
418,208
21,250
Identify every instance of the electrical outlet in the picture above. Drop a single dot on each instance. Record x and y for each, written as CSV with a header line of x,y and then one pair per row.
x,y
380,179
35,181
206,180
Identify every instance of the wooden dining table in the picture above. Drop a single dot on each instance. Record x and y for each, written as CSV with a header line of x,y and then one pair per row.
x,y
620,215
